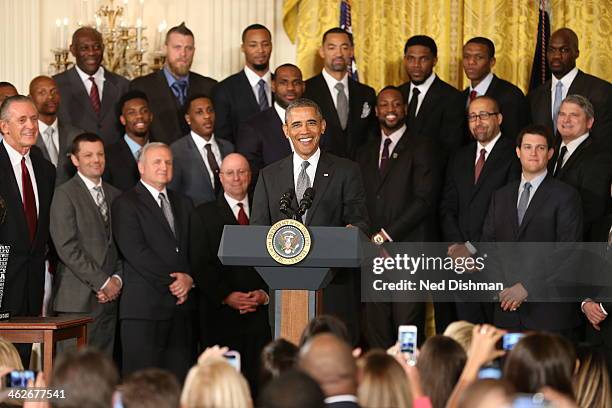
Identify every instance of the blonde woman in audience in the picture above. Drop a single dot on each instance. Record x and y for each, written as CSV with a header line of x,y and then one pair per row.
x,y
382,382
592,381
9,357
461,332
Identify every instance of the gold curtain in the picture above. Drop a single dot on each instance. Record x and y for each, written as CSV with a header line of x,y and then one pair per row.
x,y
381,27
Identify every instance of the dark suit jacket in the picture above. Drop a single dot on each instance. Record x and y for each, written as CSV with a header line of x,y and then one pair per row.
x,y
168,116
76,107
190,174
554,215
361,121
151,252
598,91
234,102
339,194
25,270
441,115
464,205
512,105
403,200
65,168
588,170
121,169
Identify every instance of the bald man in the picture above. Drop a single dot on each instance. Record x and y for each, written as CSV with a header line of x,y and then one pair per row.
x,y
329,360
566,80
55,136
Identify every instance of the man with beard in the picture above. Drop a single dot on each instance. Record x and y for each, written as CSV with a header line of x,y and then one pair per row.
x,y
247,92
171,86
402,176
55,136
261,139
90,92
346,104
121,158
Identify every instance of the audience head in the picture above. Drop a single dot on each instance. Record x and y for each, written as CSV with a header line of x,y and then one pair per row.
x,y
214,383
180,49
562,52
19,123
337,51
87,155
292,389
150,388
484,119
9,357
155,165
88,49
304,125
420,57
534,149
391,109
538,360
325,324
478,59
257,47
575,118
200,115
487,393
135,115
329,360
46,98
592,381
287,84
7,89
277,357
87,376
440,364
382,381
461,332
235,176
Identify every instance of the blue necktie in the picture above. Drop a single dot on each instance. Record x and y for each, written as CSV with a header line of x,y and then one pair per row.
x,y
180,90
557,103
523,202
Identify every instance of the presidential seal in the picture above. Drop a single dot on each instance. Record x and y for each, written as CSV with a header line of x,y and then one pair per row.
x,y
288,242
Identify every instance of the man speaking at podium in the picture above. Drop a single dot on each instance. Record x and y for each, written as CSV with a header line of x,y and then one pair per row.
x,y
339,197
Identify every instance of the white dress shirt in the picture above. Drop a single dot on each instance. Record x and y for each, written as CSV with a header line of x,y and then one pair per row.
x,y
155,192
566,81
200,143
98,77
281,114
423,88
15,158
331,84
535,184
310,170
42,128
571,148
395,138
483,85
254,82
233,203
488,148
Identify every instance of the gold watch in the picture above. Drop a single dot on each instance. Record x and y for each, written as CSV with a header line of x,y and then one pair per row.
x,y
378,239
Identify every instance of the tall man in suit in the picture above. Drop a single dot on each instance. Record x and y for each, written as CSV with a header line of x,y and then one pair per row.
x,y
26,191
90,92
171,86
261,139
339,198
435,108
88,277
233,298
198,155
402,179
478,60
55,138
242,95
121,168
346,104
473,174
538,208
151,225
567,79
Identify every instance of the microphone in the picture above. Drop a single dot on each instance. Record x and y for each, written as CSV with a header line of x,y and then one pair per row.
x,y
306,201
285,203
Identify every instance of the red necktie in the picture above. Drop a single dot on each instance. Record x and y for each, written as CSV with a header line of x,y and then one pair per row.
x,y
242,217
29,200
94,95
479,165
473,95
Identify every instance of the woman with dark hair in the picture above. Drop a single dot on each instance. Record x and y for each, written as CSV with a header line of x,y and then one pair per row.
x,y
325,324
277,357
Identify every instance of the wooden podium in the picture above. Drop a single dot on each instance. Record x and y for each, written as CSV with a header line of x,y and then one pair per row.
x,y
297,288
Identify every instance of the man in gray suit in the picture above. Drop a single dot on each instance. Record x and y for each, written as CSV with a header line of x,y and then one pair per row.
x,y
54,136
88,278
198,155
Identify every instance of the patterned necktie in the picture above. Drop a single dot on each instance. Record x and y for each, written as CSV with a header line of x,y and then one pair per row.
x,y
523,202
101,203
180,91
167,210
559,164
557,103
342,105
303,182
214,167
384,158
94,96
479,165
473,95
262,97
412,107
242,217
50,145
29,200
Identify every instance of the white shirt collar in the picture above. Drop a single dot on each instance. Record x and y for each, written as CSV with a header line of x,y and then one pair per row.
x,y
98,75
155,192
340,398
233,203
573,145
313,160
395,138
424,87
14,155
483,86
567,80
254,78
331,81
200,142
88,183
42,127
281,112
488,148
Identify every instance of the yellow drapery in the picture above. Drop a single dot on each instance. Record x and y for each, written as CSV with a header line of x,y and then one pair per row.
x,y
381,27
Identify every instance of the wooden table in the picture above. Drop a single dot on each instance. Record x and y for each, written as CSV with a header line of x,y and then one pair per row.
x,y
48,331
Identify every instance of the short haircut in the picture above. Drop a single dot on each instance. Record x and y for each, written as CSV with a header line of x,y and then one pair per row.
x,y
292,389
391,88
252,27
6,105
325,324
193,97
536,130
179,29
4,84
487,98
286,65
337,30
303,103
128,96
276,357
150,388
484,41
583,103
85,29
84,137
423,40
149,146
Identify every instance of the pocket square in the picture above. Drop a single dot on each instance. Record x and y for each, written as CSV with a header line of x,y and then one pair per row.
x,y
365,110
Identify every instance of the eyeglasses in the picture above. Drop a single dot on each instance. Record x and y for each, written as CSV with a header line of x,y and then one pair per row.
x,y
481,116
231,173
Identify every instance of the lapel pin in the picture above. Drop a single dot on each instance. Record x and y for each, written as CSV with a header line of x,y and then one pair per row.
x,y
394,155
325,174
